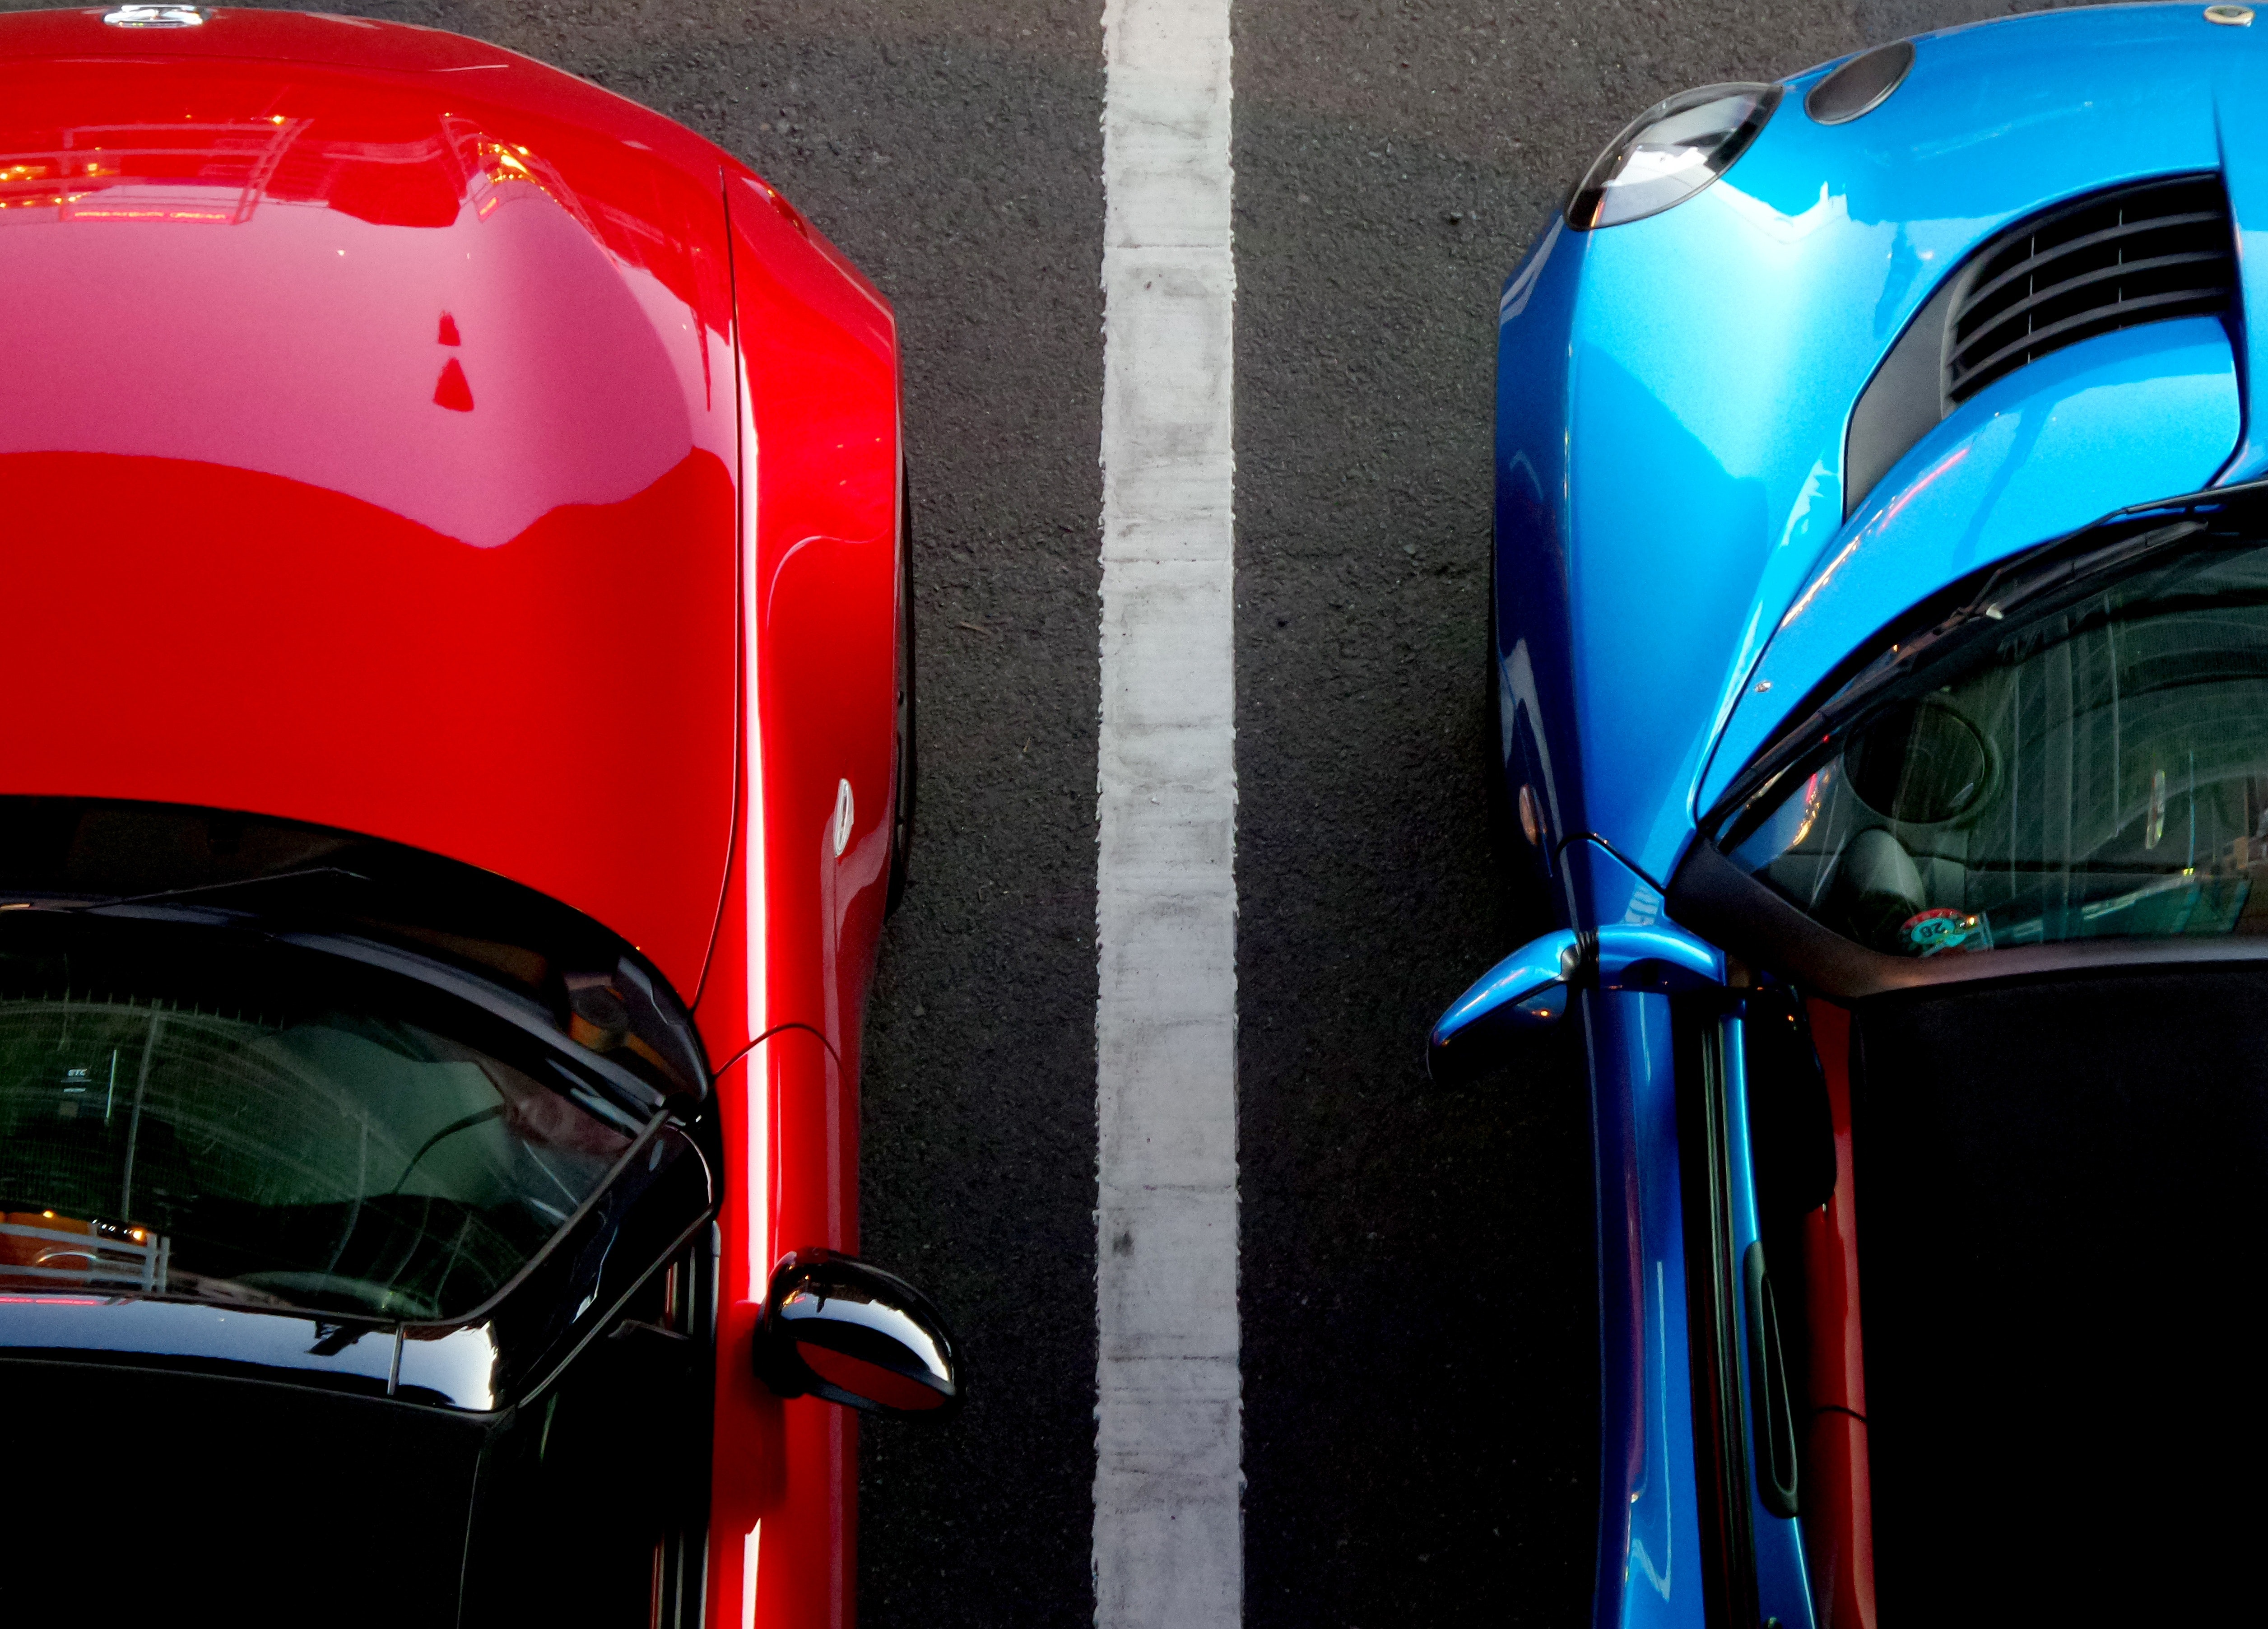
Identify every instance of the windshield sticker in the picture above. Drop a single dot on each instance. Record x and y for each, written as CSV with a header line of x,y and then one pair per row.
x,y
1928,933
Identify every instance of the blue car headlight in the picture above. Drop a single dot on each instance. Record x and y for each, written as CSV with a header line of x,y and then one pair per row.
x,y
1671,151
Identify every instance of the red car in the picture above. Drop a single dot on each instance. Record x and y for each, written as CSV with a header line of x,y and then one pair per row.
x,y
457,759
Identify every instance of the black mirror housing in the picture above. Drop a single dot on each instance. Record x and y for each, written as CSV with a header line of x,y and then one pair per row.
x,y
838,1328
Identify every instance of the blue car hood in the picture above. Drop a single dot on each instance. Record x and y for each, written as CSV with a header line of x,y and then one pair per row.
x,y
1672,395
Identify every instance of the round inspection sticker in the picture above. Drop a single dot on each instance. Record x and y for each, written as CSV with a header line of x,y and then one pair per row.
x,y
1941,928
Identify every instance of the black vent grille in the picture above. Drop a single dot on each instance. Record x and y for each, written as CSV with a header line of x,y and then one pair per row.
x,y
2136,256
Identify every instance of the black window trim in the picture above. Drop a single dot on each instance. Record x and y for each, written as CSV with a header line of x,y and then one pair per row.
x,y
1711,896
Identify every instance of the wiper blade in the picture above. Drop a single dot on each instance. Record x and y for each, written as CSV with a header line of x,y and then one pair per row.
x,y
21,903
2014,588
2124,542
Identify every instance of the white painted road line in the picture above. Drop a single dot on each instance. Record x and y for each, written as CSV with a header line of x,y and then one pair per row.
x,y
1169,1483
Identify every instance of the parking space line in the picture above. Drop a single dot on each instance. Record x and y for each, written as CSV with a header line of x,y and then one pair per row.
x,y
1168,1527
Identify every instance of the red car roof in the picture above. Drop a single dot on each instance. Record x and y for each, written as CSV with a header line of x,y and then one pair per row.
x,y
368,450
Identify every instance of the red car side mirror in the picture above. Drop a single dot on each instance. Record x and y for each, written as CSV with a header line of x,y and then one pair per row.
x,y
837,1328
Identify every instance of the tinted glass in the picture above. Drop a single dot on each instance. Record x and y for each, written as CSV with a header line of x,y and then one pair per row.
x,y
2058,1191
348,1510
2099,769
186,1111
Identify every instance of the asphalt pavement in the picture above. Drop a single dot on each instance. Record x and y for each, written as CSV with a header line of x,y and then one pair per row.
x,y
1417,1278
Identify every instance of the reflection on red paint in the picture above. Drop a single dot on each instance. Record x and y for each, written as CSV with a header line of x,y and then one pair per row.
x,y
862,1379
297,343
453,392
50,1300
108,211
1839,1532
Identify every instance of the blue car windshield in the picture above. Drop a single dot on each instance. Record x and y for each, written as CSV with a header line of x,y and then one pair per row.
x,y
2092,765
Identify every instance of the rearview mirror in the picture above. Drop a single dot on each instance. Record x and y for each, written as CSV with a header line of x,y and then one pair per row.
x,y
1527,992
835,1327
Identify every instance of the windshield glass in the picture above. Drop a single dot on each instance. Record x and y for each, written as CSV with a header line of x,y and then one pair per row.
x,y
194,1112
2096,767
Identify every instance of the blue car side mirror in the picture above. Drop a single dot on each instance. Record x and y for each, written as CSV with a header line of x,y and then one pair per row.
x,y
1518,997
1527,992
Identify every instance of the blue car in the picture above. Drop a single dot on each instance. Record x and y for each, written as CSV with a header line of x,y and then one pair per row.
x,y
1881,677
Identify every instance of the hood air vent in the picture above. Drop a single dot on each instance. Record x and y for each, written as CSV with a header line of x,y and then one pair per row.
x,y
2108,262
2111,260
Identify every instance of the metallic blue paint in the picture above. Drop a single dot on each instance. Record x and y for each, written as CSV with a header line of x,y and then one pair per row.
x,y
1672,393
1649,1563
1672,400
1649,1573
2151,409
1518,988
1606,892
1664,959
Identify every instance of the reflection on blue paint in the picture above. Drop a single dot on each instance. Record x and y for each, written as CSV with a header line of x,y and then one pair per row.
x,y
1650,1472
1783,1588
1651,1517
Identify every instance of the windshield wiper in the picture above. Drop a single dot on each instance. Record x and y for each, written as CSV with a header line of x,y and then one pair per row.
x,y
2120,544
203,887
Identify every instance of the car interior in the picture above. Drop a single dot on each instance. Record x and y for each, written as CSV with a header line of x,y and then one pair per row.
x,y
2098,769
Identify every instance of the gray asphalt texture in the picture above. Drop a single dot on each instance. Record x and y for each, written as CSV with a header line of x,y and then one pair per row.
x,y
1418,1283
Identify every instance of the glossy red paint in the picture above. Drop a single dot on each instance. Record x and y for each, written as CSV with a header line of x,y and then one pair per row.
x,y
406,438
822,394
795,949
476,598
1838,1517
782,1513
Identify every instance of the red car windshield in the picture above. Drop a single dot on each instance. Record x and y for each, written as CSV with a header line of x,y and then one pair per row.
x,y
197,1111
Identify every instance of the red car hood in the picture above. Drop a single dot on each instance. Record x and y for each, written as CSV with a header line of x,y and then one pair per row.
x,y
367,451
